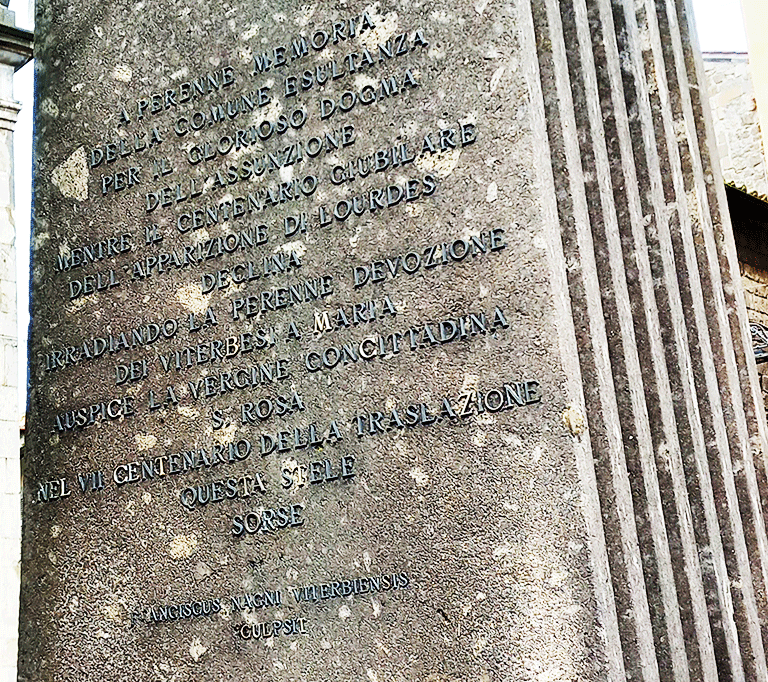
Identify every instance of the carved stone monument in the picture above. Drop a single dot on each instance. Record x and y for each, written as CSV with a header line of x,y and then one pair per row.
x,y
391,341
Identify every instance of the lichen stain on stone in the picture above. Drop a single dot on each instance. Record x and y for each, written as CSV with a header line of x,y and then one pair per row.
x,y
182,546
78,304
188,412
192,299
225,435
496,78
49,108
71,176
116,614
421,479
145,442
122,72
196,649
385,27
272,110
574,420
363,80
305,14
297,246
202,571
502,550
441,165
251,32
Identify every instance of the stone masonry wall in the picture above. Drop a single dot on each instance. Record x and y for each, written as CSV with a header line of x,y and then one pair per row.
x,y
737,127
755,282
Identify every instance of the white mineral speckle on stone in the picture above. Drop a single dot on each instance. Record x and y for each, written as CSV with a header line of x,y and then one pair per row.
x,y
225,434
78,304
375,607
183,72
496,78
418,475
367,560
297,246
71,176
122,72
196,649
441,165
146,498
512,439
39,238
304,14
188,411
55,531
556,579
52,558
251,32
385,27
272,110
325,644
372,676
193,299
145,441
480,6
286,173
441,17
502,550
202,234
182,546
49,108
115,613
480,439
344,612
492,193
362,79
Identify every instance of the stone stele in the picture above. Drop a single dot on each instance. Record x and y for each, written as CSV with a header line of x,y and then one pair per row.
x,y
389,342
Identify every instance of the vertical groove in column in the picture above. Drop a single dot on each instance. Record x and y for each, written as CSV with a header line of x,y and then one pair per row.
x,y
646,214
584,326
735,505
617,234
726,563
658,332
734,375
691,610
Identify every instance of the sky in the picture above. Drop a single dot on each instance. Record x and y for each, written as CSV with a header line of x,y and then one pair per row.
x,y
720,28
